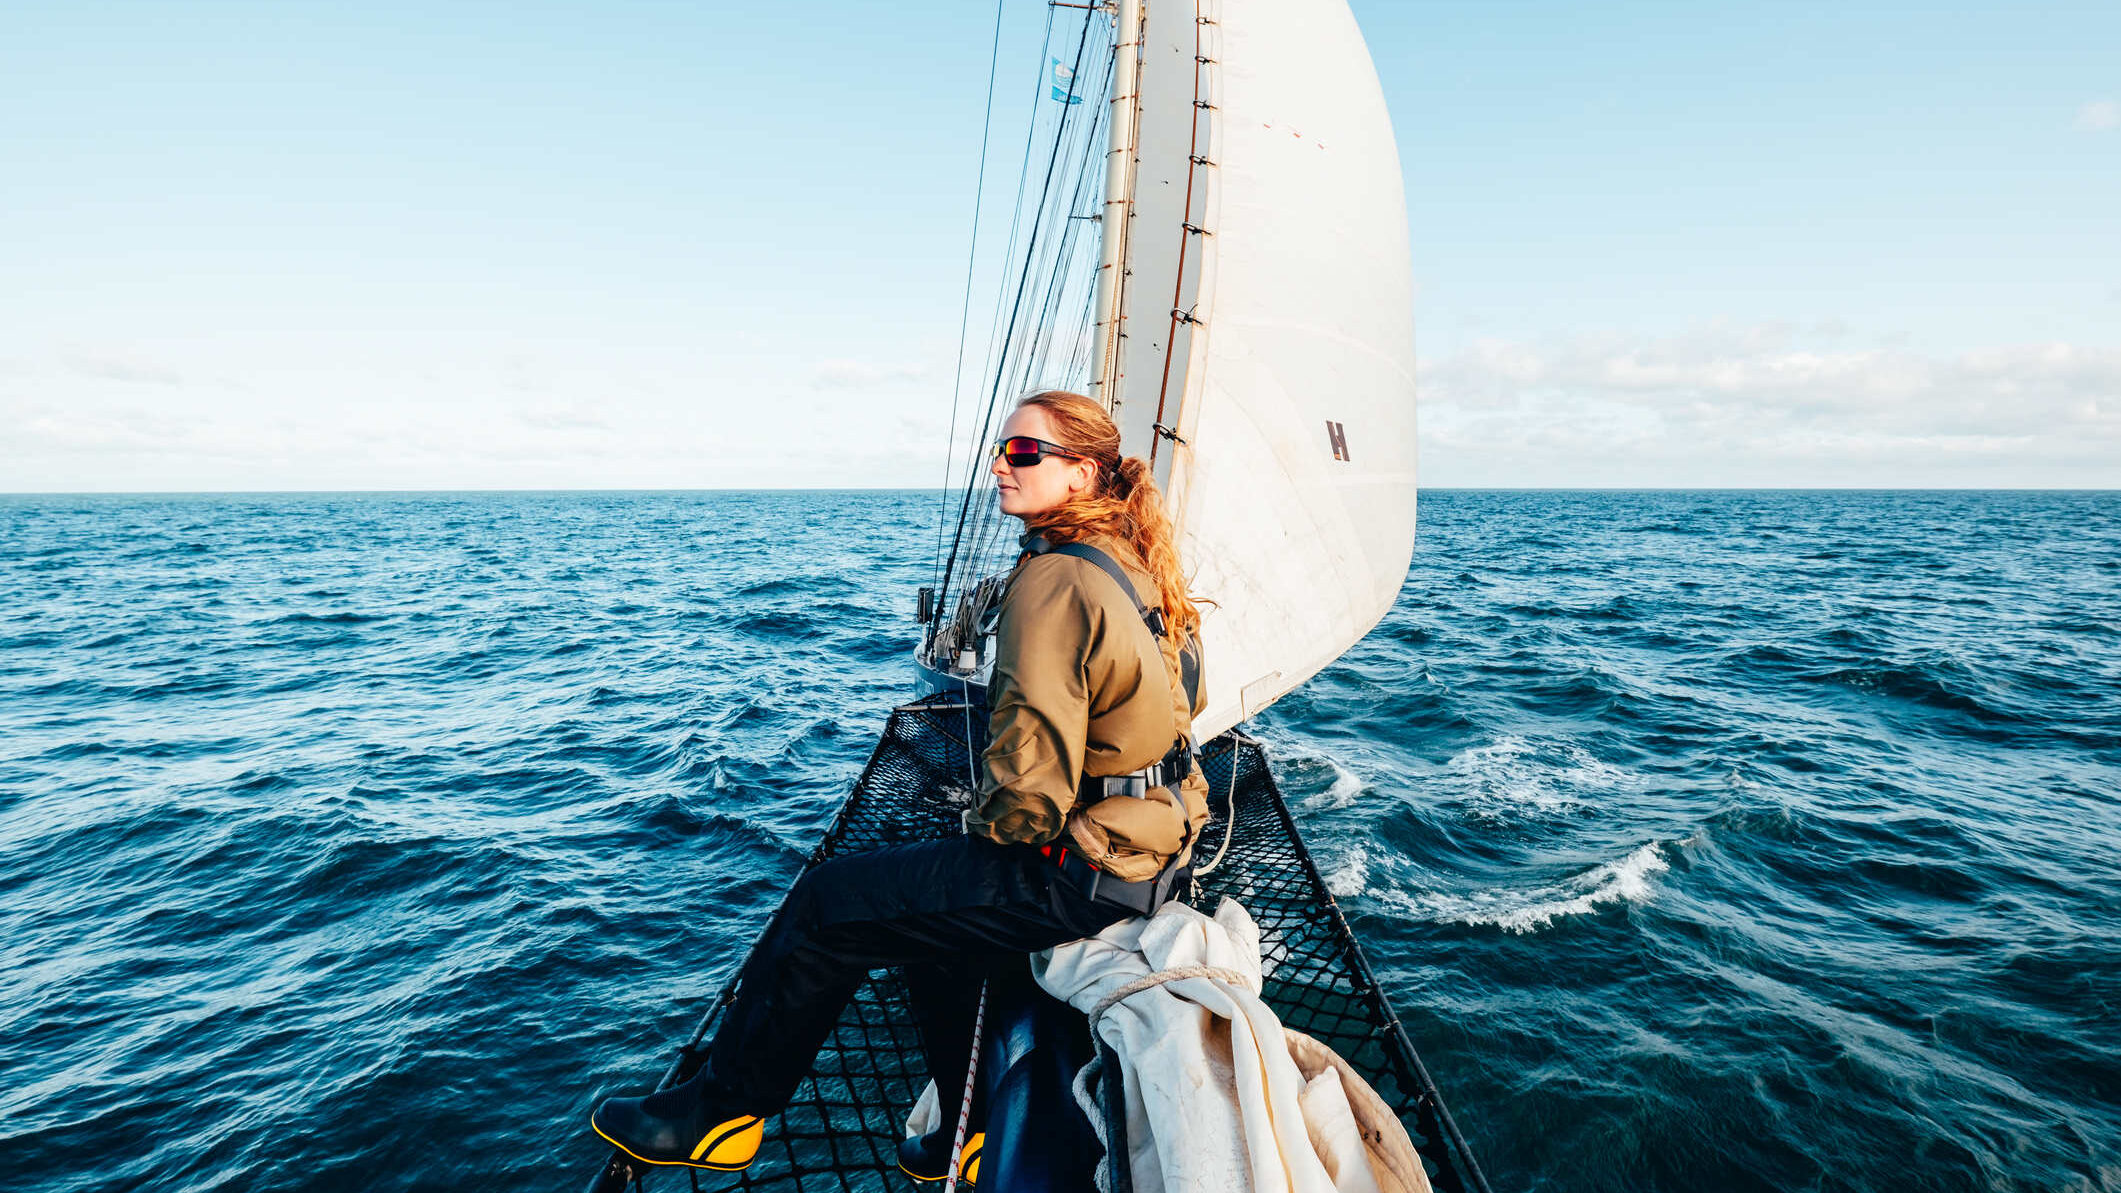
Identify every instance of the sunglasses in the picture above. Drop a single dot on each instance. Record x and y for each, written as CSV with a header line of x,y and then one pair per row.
x,y
1022,451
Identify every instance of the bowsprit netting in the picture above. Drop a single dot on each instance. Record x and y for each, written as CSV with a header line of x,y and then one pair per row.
x,y
841,1131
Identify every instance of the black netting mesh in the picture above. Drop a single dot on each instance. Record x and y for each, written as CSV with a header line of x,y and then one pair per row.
x,y
841,1131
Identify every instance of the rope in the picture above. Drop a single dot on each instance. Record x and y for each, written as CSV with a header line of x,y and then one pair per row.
x,y
964,1108
972,756
1229,818
1160,977
1084,1090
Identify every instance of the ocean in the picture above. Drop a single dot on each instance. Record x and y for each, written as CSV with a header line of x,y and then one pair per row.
x,y
1705,841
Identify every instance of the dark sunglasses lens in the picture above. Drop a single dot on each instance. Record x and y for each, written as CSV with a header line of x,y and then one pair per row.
x,y
1021,452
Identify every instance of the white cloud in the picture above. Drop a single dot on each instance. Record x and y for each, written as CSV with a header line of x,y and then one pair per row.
x,y
74,421
2099,116
1721,405
1767,405
120,365
863,374
562,416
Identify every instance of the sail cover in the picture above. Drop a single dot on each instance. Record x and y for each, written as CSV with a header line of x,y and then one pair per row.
x,y
1293,479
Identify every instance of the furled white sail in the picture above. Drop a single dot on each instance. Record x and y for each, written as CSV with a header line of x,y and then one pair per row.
x,y
1293,476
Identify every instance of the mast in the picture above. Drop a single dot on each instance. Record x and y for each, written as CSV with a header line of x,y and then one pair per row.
x,y
1116,218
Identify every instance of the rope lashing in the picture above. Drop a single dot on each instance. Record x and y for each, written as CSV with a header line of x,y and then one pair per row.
x,y
1177,973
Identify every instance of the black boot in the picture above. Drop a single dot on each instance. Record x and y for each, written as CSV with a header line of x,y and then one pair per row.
x,y
678,1126
927,1157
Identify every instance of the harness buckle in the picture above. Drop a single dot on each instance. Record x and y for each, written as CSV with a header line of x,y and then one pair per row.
x,y
1166,772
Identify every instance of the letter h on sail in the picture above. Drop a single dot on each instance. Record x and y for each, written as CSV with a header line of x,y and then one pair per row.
x,y
1337,438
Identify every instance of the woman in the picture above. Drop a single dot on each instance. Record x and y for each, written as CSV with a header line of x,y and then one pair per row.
x,y
1086,813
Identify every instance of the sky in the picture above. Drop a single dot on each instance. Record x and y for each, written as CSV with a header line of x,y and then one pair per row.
x,y
718,245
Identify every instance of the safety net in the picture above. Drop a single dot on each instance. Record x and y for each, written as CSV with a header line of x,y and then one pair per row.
x,y
841,1130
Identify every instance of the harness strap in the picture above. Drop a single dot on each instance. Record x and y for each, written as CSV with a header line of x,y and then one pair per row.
x,y
1152,615
1164,774
1141,898
1088,554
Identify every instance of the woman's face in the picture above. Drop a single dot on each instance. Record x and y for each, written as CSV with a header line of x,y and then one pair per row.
x,y
1051,482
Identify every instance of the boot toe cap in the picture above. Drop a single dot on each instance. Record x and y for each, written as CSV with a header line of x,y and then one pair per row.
x,y
927,1157
725,1144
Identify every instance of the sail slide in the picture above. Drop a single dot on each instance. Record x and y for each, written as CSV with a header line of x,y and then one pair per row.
x,y
1292,477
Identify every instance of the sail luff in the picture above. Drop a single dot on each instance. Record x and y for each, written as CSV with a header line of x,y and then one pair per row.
x,y
1171,385
1163,228
1115,216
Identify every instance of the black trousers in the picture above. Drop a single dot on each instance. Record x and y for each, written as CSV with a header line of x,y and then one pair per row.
x,y
943,910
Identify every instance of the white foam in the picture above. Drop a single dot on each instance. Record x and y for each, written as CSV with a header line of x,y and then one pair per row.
x,y
1350,874
1627,880
1346,786
1517,775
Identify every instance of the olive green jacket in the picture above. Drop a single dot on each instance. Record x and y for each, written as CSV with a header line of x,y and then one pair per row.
x,y
1080,687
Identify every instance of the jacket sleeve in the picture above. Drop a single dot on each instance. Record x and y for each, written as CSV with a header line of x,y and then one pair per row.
x,y
1039,699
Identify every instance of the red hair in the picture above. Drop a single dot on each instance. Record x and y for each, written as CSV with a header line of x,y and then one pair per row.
x,y
1123,502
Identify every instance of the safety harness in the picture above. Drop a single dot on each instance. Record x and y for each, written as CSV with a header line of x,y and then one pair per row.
x,y
1166,773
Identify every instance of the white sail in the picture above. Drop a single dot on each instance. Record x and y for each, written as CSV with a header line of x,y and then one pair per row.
x,y
1166,205
1253,329
1293,481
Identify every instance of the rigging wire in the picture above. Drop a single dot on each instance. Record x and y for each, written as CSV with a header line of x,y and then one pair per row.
x,y
940,573
1016,312
1052,337
1059,319
988,359
1060,268
1060,306
1062,315
964,317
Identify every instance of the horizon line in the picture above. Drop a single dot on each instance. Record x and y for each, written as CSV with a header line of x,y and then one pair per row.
x,y
381,492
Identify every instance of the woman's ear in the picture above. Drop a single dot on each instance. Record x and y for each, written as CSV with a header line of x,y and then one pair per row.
x,y
1082,476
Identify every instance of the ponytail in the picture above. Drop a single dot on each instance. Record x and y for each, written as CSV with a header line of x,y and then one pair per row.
x,y
1124,504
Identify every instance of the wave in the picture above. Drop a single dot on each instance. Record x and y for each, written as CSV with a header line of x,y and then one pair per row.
x,y
1343,790
1942,683
1349,874
1515,775
1299,765
1529,910
340,618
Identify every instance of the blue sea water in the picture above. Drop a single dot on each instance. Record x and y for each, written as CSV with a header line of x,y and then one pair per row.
x,y
1705,841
